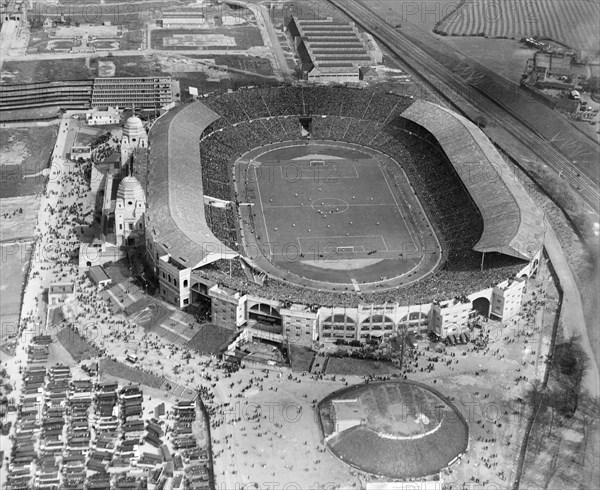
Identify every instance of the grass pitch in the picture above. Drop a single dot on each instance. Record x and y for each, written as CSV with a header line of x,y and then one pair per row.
x,y
335,212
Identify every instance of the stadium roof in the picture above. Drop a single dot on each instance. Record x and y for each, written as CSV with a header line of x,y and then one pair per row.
x,y
175,214
512,222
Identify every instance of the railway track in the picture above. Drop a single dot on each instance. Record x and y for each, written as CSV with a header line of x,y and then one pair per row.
x,y
446,83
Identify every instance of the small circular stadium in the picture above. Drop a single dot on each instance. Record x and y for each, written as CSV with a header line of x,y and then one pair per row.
x,y
327,195
394,429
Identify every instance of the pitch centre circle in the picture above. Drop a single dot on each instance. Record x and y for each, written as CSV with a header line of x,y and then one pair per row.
x,y
330,205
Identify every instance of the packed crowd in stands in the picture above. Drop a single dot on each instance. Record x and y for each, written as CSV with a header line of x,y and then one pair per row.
x,y
223,224
258,116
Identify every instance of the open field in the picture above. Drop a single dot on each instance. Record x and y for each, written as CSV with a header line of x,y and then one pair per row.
x,y
14,224
46,70
77,346
13,270
24,152
506,57
133,374
239,37
573,23
132,66
424,14
254,64
62,39
27,148
346,366
301,358
210,339
77,69
334,213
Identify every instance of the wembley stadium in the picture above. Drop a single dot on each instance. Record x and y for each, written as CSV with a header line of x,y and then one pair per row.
x,y
331,196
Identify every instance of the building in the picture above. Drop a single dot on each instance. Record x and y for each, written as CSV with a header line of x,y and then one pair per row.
x,y
99,276
60,292
74,94
14,10
102,115
178,19
330,51
130,206
83,152
507,298
134,136
299,323
140,92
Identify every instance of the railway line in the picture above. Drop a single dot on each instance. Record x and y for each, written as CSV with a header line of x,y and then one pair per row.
x,y
459,92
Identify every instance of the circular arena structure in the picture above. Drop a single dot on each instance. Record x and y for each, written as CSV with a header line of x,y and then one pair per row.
x,y
394,429
331,196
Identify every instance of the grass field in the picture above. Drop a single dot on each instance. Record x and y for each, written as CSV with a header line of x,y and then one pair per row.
x,y
132,66
243,37
27,148
330,212
573,23
301,358
24,151
46,70
79,348
506,57
409,430
123,371
210,339
346,366
13,269
16,225
76,69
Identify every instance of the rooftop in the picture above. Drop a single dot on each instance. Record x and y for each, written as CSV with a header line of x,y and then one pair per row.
x,y
175,214
513,224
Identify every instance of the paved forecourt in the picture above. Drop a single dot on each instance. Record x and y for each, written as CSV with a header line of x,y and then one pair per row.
x,y
333,215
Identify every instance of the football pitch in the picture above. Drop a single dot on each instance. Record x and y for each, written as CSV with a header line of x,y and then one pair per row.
x,y
336,212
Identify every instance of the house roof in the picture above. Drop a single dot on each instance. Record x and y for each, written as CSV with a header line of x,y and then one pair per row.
x,y
98,275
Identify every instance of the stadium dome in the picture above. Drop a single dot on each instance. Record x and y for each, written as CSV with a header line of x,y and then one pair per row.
x,y
134,128
130,189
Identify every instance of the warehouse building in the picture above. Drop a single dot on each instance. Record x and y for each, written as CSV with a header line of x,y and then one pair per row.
x,y
330,51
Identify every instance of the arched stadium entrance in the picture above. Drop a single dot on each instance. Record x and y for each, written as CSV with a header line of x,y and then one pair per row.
x,y
482,306
265,314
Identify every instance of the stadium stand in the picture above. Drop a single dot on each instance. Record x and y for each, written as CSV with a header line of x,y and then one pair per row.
x,y
513,224
76,94
175,216
258,116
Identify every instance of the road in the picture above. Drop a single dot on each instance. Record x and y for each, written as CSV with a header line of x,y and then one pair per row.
x,y
126,52
462,94
264,23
